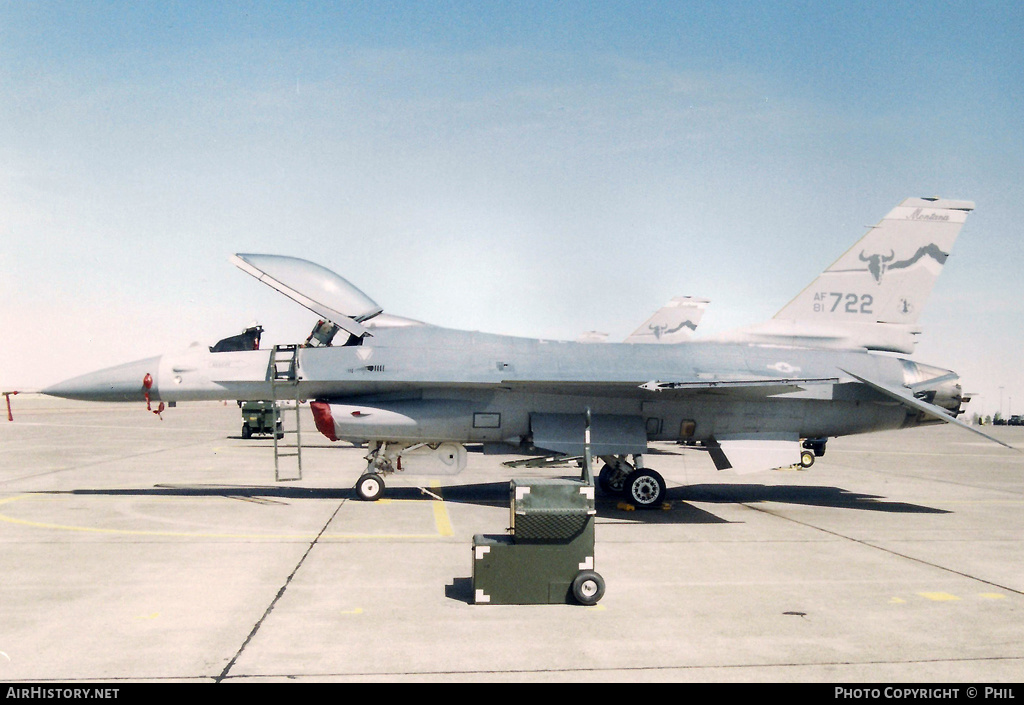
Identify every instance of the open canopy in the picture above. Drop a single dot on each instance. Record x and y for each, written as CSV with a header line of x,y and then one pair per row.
x,y
317,288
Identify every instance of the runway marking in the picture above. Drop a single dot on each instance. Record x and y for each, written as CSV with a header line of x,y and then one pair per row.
x,y
947,597
441,519
440,514
938,596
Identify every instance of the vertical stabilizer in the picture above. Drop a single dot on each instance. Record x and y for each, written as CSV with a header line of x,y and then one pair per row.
x,y
872,296
674,322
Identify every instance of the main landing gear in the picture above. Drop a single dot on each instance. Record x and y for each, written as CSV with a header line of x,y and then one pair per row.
x,y
640,486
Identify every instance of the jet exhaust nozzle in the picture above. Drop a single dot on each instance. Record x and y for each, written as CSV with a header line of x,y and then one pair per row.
x,y
934,385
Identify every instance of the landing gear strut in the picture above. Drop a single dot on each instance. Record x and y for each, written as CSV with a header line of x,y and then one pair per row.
x,y
370,485
389,457
812,448
641,487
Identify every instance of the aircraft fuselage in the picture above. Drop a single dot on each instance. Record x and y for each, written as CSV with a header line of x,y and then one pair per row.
x,y
429,384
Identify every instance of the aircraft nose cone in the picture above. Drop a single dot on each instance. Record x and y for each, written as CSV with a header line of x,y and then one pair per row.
x,y
120,383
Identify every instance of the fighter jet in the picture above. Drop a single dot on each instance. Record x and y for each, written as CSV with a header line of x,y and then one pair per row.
x,y
828,364
675,322
672,323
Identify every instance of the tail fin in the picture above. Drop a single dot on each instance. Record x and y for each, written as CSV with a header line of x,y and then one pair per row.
x,y
672,323
872,296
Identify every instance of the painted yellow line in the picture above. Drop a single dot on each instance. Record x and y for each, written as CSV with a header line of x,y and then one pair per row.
x,y
129,532
938,596
440,517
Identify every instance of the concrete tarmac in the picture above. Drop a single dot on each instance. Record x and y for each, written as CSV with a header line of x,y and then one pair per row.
x,y
137,548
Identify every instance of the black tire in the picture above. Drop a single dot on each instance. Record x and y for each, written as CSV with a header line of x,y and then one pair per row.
x,y
608,482
588,587
246,431
645,489
806,458
370,487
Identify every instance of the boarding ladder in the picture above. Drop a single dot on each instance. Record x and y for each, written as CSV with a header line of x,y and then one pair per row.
x,y
284,382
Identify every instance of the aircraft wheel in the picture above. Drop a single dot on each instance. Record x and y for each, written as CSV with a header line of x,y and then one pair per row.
x,y
370,487
645,488
611,481
588,587
806,458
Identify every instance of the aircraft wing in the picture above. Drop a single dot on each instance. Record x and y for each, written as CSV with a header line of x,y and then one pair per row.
x,y
745,388
739,389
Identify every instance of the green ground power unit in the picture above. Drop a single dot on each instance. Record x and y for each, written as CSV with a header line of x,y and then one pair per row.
x,y
548,555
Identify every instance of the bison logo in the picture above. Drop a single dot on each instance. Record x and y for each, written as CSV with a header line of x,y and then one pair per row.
x,y
877,264
664,330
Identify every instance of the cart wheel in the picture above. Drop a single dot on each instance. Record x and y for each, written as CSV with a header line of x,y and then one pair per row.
x,y
588,587
370,487
246,431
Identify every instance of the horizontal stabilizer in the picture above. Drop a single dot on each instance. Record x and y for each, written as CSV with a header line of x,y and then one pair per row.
x,y
754,453
907,398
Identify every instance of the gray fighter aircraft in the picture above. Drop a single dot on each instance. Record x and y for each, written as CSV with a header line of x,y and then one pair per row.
x,y
416,394
674,322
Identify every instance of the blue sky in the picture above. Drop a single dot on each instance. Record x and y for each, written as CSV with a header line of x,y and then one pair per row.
x,y
531,168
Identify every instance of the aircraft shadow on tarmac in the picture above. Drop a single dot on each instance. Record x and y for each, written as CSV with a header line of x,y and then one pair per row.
x,y
679,508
